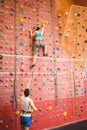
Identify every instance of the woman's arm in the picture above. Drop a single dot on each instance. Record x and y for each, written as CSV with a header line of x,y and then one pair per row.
x,y
32,34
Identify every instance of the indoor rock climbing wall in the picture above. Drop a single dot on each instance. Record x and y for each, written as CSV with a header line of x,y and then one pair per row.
x,y
58,83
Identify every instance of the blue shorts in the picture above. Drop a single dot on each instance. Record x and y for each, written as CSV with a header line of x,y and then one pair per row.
x,y
26,121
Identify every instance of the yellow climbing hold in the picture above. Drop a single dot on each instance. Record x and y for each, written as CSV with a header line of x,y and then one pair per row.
x,y
21,19
21,6
44,22
50,108
26,44
18,100
65,114
17,112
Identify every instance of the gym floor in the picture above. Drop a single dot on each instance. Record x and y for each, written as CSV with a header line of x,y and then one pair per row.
x,y
82,125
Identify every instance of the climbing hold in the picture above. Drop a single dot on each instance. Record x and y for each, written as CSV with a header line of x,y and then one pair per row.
x,y
22,62
1,121
40,109
0,67
50,108
60,33
17,112
12,119
65,114
6,85
21,44
52,60
59,16
1,35
21,6
44,83
0,96
1,56
12,101
85,41
6,126
66,13
77,14
18,100
21,19
6,42
22,69
11,73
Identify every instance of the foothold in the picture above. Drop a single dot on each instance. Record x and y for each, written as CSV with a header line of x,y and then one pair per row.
x,y
21,19
6,126
12,119
21,6
11,73
21,44
0,67
85,41
1,35
60,33
12,101
22,69
50,108
65,114
59,16
6,42
18,100
0,96
17,112
44,83
1,121
64,105
40,109
6,85
1,56
22,62
66,13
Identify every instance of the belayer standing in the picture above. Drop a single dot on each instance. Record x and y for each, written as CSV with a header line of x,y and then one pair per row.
x,y
27,105
38,35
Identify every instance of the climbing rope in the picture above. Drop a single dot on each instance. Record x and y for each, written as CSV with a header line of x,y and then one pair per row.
x,y
74,80
55,56
15,74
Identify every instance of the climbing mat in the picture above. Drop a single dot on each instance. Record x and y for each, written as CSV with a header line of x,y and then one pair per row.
x,y
58,83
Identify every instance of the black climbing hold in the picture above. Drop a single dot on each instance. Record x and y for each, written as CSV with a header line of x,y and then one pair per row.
x,y
85,41
1,56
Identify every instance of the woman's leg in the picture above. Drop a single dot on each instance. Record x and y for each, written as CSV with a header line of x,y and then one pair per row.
x,y
34,57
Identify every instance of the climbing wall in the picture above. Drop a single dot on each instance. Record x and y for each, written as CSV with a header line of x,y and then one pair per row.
x,y
58,83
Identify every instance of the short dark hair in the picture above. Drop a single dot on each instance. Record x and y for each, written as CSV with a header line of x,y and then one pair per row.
x,y
38,28
26,92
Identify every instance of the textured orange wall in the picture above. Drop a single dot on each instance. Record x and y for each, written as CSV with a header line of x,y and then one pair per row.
x,y
81,2
62,4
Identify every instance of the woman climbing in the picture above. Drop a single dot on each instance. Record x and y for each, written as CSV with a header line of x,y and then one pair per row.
x,y
38,35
